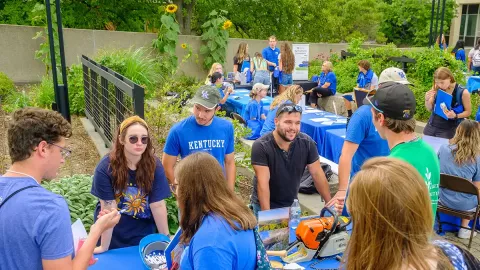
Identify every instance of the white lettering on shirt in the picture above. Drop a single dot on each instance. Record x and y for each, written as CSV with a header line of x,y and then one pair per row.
x,y
206,144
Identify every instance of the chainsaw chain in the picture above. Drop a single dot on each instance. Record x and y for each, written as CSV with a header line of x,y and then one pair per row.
x,y
312,266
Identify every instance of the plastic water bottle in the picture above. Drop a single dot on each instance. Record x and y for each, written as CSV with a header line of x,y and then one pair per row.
x,y
295,213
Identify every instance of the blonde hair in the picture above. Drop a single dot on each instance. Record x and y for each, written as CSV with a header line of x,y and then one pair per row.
x,y
288,94
210,73
393,220
254,92
288,59
203,190
467,140
329,65
443,73
241,52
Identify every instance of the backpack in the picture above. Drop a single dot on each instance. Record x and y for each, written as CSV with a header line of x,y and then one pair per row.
x,y
307,186
476,58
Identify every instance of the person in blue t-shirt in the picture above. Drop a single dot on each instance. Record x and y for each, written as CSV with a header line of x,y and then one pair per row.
x,y
293,94
270,54
327,84
35,226
202,132
362,140
225,90
132,179
254,115
364,82
219,229
459,51
461,157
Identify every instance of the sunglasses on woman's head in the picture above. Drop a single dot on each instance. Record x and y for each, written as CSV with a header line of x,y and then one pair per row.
x,y
134,140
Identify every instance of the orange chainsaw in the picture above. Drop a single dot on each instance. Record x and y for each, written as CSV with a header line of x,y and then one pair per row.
x,y
319,237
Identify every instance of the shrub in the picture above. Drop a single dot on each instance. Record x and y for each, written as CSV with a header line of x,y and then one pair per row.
x,y
6,86
76,94
42,95
76,191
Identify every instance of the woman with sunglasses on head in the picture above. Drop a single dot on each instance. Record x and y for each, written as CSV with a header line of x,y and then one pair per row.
x,y
217,226
131,179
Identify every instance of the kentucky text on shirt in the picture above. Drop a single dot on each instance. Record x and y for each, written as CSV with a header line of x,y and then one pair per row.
x,y
206,144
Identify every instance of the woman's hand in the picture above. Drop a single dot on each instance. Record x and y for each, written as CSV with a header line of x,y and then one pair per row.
x,y
450,114
429,96
106,219
319,95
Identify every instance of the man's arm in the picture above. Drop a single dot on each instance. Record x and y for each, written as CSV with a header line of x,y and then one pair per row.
x,y
321,183
168,163
263,188
159,212
231,170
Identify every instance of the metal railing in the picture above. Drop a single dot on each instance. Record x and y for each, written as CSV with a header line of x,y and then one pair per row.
x,y
109,98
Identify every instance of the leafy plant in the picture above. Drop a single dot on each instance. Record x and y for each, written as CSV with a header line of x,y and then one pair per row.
x,y
76,191
172,215
6,86
215,38
167,39
76,94
42,95
16,101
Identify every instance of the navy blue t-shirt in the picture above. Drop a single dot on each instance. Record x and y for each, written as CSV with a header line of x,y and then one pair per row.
x,y
137,222
361,131
271,56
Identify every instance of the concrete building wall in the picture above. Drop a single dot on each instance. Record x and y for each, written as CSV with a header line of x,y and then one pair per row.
x,y
17,57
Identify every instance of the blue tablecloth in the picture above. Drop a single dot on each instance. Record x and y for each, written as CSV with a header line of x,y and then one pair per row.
x,y
333,145
240,99
473,84
317,130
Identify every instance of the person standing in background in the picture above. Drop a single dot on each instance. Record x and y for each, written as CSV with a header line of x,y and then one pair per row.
x,y
270,54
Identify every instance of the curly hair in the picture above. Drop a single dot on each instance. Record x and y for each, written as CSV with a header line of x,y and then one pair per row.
x,y
118,162
288,59
30,126
467,140
288,94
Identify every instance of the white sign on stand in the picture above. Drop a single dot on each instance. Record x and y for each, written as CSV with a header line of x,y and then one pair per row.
x,y
300,51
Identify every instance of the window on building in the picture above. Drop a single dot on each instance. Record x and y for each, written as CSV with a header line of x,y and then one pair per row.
x,y
468,24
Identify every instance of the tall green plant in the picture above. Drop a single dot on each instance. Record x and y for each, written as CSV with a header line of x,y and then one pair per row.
x,y
215,38
167,39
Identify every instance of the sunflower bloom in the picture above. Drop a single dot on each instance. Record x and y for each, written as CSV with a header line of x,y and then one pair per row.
x,y
172,8
184,45
227,24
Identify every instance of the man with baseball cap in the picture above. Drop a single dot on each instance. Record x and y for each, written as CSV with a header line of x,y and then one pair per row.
x,y
362,141
393,108
202,131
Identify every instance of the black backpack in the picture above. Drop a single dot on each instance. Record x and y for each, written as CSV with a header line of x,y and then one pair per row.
x,y
307,186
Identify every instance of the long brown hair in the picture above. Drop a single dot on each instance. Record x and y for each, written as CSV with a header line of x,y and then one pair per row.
x,y
118,162
288,94
241,52
393,220
467,141
288,59
202,189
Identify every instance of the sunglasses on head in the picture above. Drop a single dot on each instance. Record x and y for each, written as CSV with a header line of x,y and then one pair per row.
x,y
134,140
291,108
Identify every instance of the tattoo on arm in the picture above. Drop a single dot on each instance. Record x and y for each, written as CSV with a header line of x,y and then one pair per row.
x,y
110,204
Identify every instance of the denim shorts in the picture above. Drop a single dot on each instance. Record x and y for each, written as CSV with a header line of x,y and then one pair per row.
x,y
261,76
286,79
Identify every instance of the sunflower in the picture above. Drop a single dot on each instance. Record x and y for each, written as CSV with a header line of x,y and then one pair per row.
x,y
227,24
172,8
184,45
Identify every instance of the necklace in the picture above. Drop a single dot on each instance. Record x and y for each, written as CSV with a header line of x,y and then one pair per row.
x,y
409,141
28,175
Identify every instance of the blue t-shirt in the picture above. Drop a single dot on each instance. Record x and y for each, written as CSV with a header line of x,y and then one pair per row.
x,y
460,55
361,131
331,78
187,137
254,110
271,56
470,171
364,80
137,222
217,246
34,225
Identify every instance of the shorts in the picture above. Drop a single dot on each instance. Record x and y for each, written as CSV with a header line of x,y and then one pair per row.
x,y
261,76
286,79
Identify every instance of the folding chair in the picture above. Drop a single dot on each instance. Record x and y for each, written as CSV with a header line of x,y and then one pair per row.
x,y
239,118
462,185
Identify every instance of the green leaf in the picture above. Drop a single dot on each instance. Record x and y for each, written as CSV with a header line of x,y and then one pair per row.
x,y
213,13
167,20
172,36
204,49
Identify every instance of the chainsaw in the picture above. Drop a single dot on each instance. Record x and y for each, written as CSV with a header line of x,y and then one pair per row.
x,y
319,237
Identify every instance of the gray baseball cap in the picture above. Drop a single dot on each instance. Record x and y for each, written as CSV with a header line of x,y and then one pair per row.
x,y
393,74
207,96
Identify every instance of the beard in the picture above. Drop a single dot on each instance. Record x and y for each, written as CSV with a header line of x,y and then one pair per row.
x,y
283,135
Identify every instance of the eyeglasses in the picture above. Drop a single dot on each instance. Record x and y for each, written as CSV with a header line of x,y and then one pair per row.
x,y
291,108
134,140
173,188
64,151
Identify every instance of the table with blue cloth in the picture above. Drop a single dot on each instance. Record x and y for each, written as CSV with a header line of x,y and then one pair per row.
x,y
129,258
313,126
473,84
240,99
334,139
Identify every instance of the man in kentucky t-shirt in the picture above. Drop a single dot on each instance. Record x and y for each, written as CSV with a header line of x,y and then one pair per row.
x,y
393,108
202,131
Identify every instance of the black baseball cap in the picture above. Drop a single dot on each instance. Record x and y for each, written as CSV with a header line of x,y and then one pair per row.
x,y
394,100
